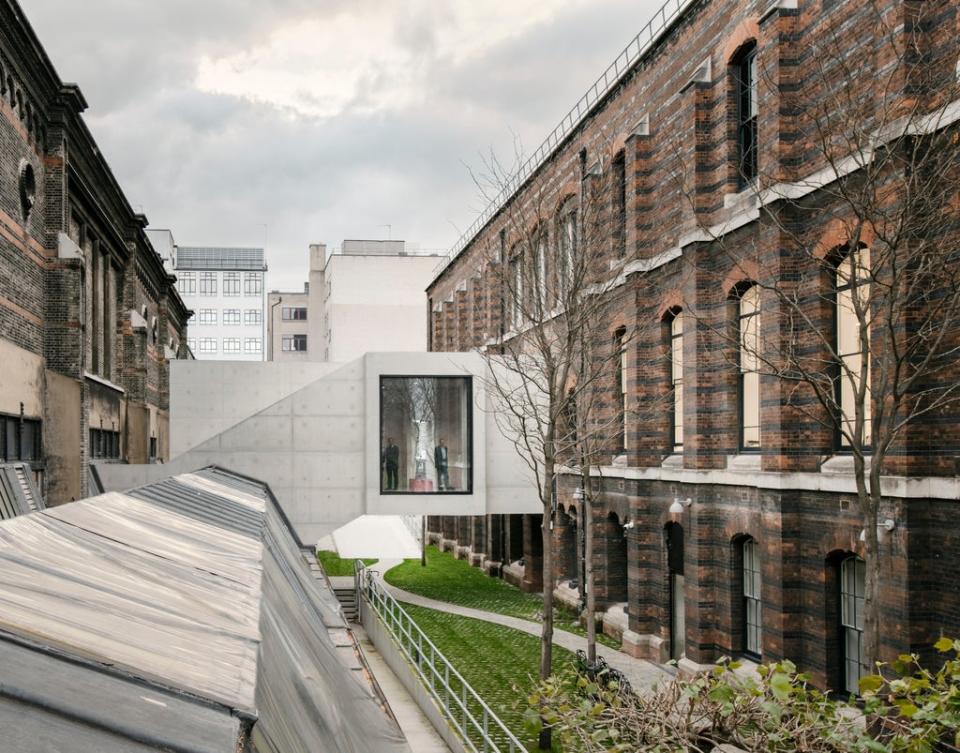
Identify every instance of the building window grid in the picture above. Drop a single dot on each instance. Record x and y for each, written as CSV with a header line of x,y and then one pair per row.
x,y
208,283
252,316
749,371
852,291
207,316
747,110
231,345
676,380
208,345
253,283
853,575
187,283
104,444
231,316
231,284
252,345
752,604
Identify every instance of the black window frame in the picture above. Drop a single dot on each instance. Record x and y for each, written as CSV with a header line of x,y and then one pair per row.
x,y
747,110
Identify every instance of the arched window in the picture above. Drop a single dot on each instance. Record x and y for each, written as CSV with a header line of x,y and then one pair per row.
x,y
676,379
746,88
515,286
749,376
566,247
752,605
853,586
540,273
852,304
620,386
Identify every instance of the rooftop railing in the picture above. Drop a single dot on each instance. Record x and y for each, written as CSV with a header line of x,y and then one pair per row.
x,y
655,28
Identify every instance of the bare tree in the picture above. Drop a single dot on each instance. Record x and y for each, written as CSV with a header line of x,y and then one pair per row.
x,y
858,333
551,268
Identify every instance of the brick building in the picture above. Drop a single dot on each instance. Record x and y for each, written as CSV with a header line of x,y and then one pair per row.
x,y
726,522
89,318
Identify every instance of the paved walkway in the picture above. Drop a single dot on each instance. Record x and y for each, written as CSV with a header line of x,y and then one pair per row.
x,y
420,733
639,672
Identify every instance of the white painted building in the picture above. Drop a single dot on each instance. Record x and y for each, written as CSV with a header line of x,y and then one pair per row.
x,y
365,297
225,288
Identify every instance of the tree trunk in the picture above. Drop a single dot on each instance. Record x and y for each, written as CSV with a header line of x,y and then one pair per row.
x,y
591,605
546,633
872,585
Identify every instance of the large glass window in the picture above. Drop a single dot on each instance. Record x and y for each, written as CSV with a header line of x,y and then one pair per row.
x,y
676,378
853,293
853,587
208,316
750,369
231,316
425,435
253,283
231,345
294,313
293,342
253,316
752,614
252,345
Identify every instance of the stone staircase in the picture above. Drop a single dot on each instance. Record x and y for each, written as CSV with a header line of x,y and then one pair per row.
x,y
347,596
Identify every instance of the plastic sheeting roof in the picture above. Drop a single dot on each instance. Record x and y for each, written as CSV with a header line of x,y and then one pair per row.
x,y
178,616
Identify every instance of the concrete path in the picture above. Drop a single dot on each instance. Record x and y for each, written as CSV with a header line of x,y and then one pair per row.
x,y
421,735
640,673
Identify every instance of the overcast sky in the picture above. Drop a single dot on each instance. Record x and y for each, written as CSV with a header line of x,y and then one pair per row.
x,y
322,119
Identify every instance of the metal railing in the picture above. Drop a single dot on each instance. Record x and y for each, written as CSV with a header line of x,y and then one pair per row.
x,y
661,21
478,726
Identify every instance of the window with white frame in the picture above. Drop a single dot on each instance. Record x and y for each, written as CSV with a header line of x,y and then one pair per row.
x,y
208,283
676,379
853,380
252,345
231,345
516,289
253,283
231,316
253,316
231,283
294,313
749,387
207,316
540,272
208,345
187,283
752,605
853,586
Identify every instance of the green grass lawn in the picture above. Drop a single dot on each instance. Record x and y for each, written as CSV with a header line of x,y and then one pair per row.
x,y
445,578
501,664
333,566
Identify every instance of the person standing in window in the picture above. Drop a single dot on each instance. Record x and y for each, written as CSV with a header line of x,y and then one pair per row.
x,y
391,462
440,458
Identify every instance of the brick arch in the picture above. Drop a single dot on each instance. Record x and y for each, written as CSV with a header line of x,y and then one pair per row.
x,y
671,301
748,271
569,190
836,234
747,31
619,144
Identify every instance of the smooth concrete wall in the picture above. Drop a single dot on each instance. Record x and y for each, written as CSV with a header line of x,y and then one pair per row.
x,y
208,397
318,448
21,381
62,438
405,672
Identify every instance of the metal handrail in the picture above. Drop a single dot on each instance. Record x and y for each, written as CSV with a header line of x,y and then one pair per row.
x,y
481,730
635,49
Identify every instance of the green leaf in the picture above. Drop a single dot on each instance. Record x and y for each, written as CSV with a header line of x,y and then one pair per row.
x,y
943,645
906,708
780,686
870,684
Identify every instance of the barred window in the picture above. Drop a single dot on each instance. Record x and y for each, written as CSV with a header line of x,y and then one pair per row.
x,y
20,438
104,444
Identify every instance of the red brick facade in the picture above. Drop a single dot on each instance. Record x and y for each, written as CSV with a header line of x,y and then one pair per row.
x,y
673,117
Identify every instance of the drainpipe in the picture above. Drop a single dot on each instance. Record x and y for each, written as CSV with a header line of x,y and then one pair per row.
x,y
272,325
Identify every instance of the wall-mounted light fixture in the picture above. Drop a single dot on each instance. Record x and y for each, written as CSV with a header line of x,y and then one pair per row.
x,y
629,524
679,505
887,525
